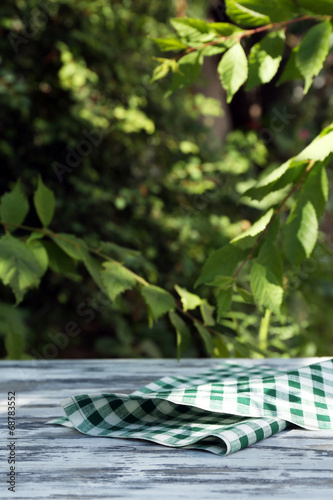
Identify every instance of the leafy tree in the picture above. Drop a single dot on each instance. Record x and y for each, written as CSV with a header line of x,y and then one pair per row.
x,y
296,192
256,267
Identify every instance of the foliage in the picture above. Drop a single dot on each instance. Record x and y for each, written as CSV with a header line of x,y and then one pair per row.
x,y
302,181
131,196
116,205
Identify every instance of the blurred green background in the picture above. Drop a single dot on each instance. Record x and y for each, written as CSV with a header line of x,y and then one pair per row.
x,y
161,179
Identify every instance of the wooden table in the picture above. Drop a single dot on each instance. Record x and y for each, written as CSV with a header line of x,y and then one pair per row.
x,y
60,463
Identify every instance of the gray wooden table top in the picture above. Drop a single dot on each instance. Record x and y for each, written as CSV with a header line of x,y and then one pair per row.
x,y
60,463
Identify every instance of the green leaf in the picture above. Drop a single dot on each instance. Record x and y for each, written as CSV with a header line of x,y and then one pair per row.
x,y
221,45
163,69
40,253
313,51
94,268
224,29
192,31
116,279
222,282
189,67
244,16
206,337
213,50
277,179
182,331
59,261
319,148
121,252
207,313
14,328
14,206
186,25
266,278
35,236
324,7
316,188
222,262
301,231
233,70
44,202
160,72
13,317
290,71
70,244
248,237
169,44
159,301
76,249
189,300
246,296
275,10
224,300
19,267
14,344
264,59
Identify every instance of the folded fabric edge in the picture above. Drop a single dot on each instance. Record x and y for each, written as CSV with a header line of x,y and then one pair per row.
x,y
250,412
60,421
210,442
222,443
67,422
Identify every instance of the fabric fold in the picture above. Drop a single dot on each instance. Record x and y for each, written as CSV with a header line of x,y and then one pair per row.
x,y
221,411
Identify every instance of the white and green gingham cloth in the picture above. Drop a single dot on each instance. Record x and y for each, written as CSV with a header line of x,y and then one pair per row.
x,y
221,411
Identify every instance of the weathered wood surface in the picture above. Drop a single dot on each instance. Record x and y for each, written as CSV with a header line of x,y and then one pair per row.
x,y
56,462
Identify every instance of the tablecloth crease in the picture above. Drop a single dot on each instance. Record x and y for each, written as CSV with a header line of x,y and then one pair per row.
x,y
221,410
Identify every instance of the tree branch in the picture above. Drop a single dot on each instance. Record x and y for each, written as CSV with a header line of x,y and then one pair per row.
x,y
51,234
250,32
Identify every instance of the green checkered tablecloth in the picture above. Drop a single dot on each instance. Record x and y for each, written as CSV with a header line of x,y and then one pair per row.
x,y
221,411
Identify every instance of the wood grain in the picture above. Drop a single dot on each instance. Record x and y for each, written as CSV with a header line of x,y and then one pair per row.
x,y
55,462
